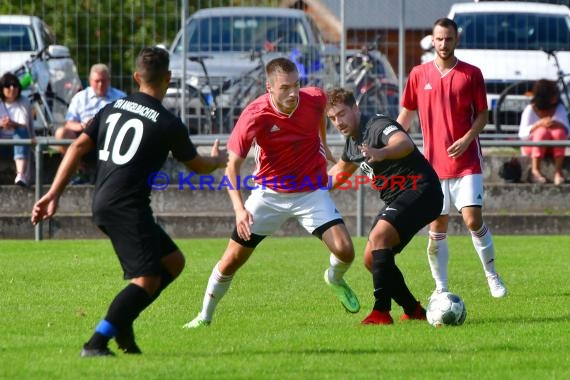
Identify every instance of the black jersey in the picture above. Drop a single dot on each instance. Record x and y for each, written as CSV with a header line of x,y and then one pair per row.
x,y
133,137
390,177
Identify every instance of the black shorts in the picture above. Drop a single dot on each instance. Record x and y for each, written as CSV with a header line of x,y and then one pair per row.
x,y
412,211
139,247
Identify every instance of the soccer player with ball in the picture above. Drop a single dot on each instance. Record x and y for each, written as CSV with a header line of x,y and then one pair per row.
x,y
383,150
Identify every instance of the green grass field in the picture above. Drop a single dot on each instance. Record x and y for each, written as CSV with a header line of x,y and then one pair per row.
x,y
280,321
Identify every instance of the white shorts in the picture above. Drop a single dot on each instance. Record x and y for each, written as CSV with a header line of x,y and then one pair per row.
x,y
271,209
462,192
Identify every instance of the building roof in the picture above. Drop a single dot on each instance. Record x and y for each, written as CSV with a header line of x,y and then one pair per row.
x,y
375,14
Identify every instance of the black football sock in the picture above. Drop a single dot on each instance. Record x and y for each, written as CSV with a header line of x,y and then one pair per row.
x,y
126,333
124,309
127,306
401,294
98,340
382,269
103,333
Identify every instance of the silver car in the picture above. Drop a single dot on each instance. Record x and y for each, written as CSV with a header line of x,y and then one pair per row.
x,y
225,52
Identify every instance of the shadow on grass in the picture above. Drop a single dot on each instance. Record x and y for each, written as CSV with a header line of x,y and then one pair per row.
x,y
520,319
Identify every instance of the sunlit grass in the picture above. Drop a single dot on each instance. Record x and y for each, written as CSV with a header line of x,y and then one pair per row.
x,y
280,321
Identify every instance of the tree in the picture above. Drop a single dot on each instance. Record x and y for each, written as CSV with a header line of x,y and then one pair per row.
x,y
112,32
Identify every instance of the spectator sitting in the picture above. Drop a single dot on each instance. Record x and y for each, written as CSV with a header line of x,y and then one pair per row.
x,y
544,119
84,105
16,122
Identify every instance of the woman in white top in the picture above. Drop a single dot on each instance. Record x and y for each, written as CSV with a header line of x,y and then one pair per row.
x,y
543,119
16,122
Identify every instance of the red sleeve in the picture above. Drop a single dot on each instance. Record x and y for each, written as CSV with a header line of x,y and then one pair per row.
x,y
319,94
480,98
409,97
244,132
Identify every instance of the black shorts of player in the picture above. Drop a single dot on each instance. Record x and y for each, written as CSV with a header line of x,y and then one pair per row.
x,y
412,211
139,247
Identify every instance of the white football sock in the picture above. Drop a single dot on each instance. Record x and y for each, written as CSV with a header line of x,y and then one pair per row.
x,y
218,285
438,258
337,269
483,243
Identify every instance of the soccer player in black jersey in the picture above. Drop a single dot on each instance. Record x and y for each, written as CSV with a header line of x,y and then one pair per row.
x,y
407,184
132,137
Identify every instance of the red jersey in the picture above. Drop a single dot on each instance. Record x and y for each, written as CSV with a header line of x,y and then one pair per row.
x,y
289,155
447,106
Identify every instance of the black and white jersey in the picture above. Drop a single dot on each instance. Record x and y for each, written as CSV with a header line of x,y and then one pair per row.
x,y
133,137
389,177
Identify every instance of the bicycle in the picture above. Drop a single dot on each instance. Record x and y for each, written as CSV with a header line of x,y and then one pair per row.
x,y
564,90
237,93
373,91
197,108
214,109
43,102
514,89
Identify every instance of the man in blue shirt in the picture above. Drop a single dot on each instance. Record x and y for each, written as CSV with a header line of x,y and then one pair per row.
x,y
84,105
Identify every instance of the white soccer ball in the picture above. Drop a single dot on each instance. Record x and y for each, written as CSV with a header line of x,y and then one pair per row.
x,y
446,309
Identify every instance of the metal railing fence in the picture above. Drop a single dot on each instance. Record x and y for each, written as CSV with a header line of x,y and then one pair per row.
x,y
41,144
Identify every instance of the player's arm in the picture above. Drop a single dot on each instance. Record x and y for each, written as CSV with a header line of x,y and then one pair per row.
x,y
202,165
323,135
340,172
405,118
244,219
399,146
47,205
74,121
460,146
74,125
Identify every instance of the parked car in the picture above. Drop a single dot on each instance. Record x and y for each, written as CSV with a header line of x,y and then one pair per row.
x,y
506,40
29,41
225,51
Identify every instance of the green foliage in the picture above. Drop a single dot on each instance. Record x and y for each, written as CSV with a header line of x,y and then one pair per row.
x,y
280,321
112,32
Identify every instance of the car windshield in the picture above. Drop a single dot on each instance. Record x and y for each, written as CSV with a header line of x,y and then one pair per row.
x,y
243,33
515,31
14,38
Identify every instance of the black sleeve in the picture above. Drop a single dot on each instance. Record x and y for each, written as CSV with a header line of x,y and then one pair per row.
x,y
92,128
181,146
382,128
344,155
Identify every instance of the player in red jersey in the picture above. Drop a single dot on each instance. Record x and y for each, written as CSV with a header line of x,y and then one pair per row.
x,y
286,128
449,96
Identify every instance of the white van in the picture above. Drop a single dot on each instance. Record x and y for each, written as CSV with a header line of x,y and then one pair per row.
x,y
23,37
507,41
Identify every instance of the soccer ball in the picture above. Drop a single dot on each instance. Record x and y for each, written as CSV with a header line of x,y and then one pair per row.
x,y
446,309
